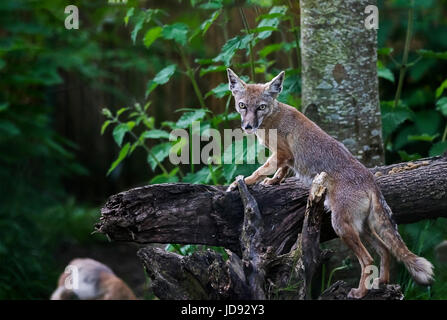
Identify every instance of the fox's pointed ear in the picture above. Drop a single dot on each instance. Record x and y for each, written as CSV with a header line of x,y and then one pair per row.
x,y
234,83
274,87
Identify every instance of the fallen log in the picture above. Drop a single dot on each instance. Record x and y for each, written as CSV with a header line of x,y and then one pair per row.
x,y
201,214
259,275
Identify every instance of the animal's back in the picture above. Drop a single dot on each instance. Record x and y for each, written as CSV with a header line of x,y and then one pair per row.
x,y
94,281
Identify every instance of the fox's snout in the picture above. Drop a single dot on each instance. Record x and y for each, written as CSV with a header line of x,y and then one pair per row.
x,y
248,128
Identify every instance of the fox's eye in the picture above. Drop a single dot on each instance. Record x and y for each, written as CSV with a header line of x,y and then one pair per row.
x,y
242,105
262,107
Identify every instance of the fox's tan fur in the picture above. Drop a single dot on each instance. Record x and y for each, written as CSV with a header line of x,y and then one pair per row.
x,y
359,210
96,282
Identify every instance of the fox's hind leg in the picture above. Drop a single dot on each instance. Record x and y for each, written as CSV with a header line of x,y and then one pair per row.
x,y
344,228
379,246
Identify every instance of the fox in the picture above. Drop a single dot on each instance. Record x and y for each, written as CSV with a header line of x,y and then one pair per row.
x,y
359,212
90,280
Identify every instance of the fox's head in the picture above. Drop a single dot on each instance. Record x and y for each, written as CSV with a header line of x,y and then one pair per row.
x,y
254,102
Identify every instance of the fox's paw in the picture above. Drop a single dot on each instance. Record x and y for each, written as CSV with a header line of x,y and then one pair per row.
x,y
270,181
356,293
232,187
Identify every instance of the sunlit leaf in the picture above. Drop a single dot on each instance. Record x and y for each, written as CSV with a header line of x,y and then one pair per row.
x,y
161,77
155,134
220,91
160,152
119,132
122,155
129,14
276,14
433,54
104,126
201,176
441,105
152,35
177,32
441,88
189,117
384,72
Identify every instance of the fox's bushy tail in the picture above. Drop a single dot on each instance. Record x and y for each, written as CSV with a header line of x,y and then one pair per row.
x,y
420,268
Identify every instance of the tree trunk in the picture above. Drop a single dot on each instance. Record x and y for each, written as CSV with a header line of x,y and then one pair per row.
x,y
339,75
201,214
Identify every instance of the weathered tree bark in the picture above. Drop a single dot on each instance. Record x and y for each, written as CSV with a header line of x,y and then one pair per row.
x,y
339,75
310,234
339,291
200,214
259,275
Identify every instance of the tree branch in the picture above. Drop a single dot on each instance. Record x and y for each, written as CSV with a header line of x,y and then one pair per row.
x,y
201,214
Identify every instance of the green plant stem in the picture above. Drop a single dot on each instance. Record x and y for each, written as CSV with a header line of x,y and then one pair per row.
x,y
252,59
190,149
191,76
159,164
297,38
444,136
332,273
403,67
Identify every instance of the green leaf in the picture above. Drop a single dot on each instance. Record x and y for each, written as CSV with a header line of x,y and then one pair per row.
x,y
171,177
121,111
9,128
211,5
164,75
189,117
160,152
423,137
138,26
144,16
428,121
231,46
393,117
264,52
229,171
162,178
211,69
155,134
220,91
384,72
4,106
408,157
273,22
161,78
441,105
201,176
104,126
441,89
385,51
107,113
122,155
438,149
119,132
152,35
177,32
206,24
432,54
129,14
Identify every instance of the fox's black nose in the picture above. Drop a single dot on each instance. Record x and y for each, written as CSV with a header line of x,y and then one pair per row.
x,y
248,127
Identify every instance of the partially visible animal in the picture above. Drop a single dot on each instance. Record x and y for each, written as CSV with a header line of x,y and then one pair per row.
x,y
88,279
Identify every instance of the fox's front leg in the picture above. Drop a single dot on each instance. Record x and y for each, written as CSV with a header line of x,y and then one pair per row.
x,y
268,168
279,176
